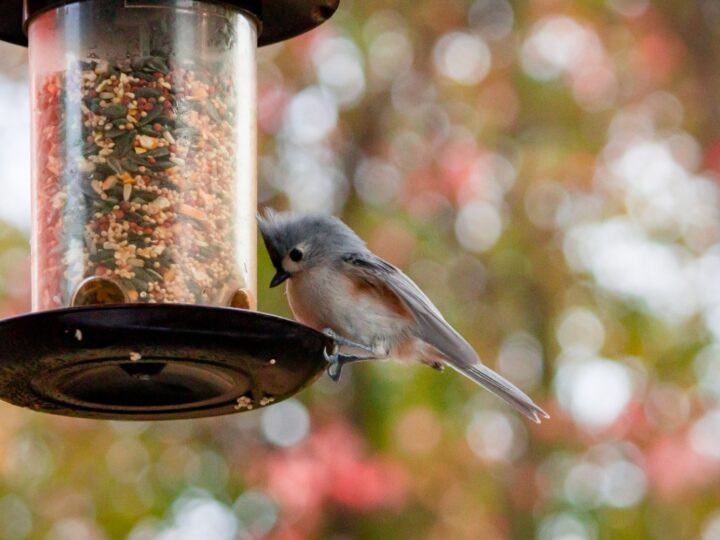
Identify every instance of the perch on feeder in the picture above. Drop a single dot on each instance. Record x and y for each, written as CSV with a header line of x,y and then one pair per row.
x,y
144,201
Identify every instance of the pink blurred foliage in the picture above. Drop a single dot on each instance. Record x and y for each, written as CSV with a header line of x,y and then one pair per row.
x,y
287,532
658,53
457,162
631,423
272,99
331,466
711,159
302,46
674,469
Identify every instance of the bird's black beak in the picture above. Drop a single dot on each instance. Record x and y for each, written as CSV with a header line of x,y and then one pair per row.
x,y
278,278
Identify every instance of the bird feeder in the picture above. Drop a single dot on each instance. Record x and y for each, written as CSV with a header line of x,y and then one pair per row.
x,y
144,204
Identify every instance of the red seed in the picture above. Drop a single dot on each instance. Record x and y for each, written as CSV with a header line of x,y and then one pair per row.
x,y
157,127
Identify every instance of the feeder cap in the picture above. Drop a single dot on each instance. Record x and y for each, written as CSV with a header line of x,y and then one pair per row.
x,y
279,19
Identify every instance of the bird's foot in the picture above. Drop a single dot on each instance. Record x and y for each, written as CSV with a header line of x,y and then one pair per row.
x,y
344,342
336,361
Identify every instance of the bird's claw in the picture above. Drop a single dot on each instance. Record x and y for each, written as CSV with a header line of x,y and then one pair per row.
x,y
336,360
334,363
329,332
344,342
334,371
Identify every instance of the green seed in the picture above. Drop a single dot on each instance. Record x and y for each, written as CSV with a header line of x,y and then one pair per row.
x,y
159,152
152,115
115,164
161,165
116,110
146,92
115,132
89,149
155,63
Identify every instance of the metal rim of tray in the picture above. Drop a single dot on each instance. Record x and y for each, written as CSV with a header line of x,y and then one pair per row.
x,y
155,361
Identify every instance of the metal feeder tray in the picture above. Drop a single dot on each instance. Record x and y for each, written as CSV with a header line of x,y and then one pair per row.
x,y
155,362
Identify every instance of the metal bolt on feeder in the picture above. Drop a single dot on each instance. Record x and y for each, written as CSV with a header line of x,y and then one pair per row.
x,y
144,202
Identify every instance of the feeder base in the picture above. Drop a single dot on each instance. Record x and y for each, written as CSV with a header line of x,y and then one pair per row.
x,y
155,362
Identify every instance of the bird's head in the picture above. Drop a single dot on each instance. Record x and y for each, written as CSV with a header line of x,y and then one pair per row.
x,y
298,242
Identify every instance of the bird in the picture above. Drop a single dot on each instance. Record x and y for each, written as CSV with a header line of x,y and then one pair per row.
x,y
370,308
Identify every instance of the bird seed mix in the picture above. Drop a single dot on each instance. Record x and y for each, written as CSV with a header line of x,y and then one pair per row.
x,y
135,178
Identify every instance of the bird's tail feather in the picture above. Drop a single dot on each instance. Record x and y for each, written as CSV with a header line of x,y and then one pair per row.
x,y
502,388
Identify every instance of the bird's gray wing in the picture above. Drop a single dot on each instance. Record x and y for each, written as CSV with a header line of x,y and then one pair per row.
x,y
435,330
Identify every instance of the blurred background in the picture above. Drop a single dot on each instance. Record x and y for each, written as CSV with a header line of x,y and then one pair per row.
x,y
548,172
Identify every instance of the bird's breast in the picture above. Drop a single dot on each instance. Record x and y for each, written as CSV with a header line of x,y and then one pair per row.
x,y
325,298
308,299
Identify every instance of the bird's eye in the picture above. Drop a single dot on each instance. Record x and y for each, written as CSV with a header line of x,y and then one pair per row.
x,y
296,255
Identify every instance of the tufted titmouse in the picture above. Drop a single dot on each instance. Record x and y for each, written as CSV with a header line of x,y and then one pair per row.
x,y
337,286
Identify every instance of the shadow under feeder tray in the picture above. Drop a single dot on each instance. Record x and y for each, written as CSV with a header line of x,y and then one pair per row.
x,y
154,362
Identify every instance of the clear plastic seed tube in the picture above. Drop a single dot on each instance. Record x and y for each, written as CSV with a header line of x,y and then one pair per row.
x,y
144,186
